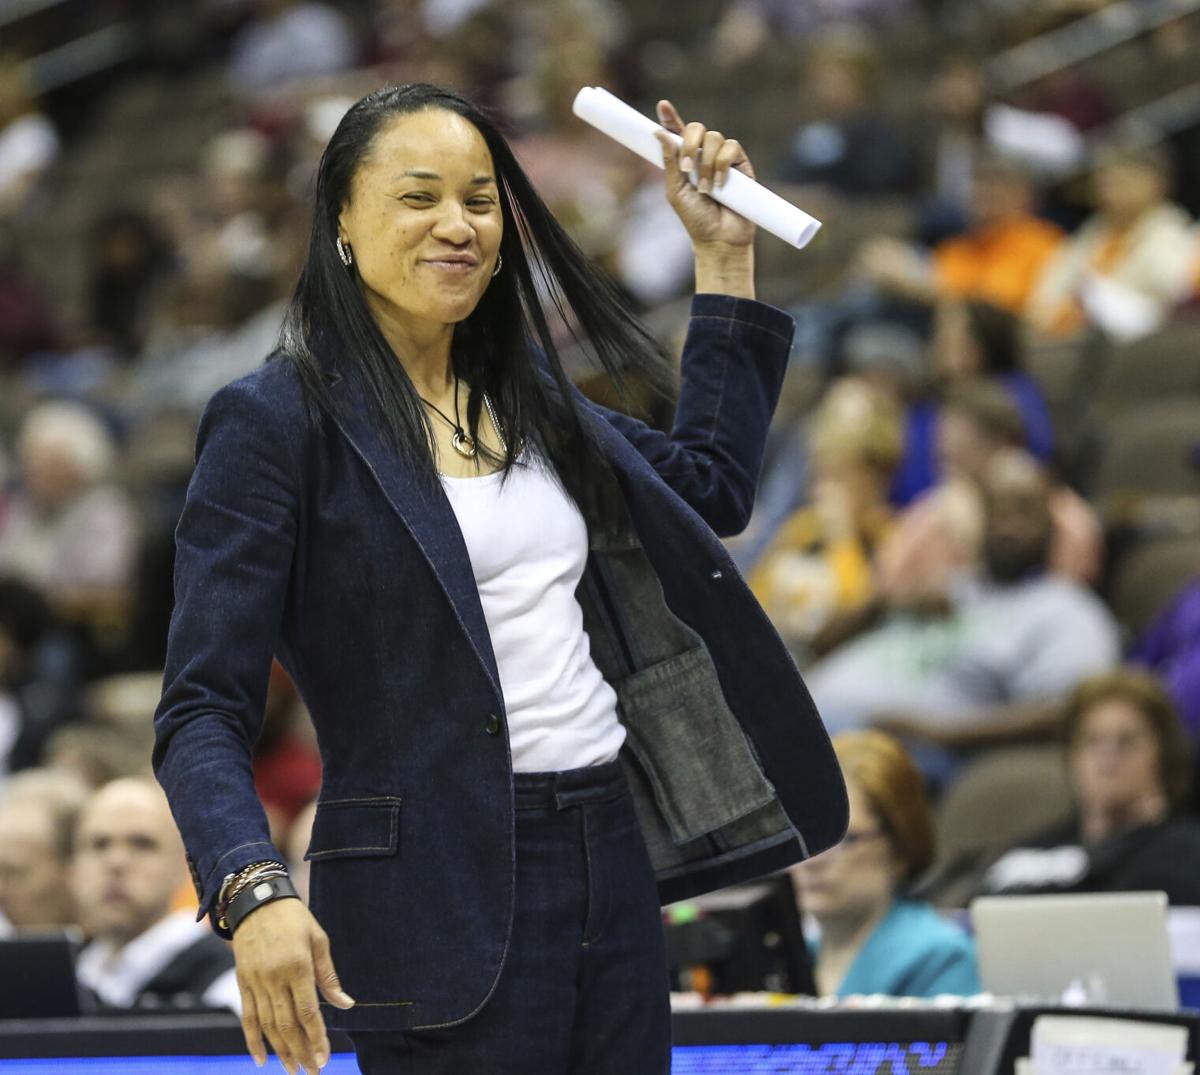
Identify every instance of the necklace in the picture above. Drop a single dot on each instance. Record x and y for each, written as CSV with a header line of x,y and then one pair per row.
x,y
462,441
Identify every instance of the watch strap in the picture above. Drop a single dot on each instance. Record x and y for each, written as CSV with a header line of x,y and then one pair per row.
x,y
255,895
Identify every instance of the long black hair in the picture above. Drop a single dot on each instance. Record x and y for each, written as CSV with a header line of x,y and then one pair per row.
x,y
504,347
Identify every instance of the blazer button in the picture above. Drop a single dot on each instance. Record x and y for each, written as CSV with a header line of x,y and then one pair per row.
x,y
493,724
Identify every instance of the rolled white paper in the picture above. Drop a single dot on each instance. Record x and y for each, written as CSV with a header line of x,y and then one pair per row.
x,y
743,195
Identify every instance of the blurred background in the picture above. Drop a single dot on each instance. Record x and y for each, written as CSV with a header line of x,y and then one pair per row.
x,y
983,485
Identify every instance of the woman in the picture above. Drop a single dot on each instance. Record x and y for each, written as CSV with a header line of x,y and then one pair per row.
x,y
544,699
817,572
1127,761
872,938
971,341
1131,263
71,531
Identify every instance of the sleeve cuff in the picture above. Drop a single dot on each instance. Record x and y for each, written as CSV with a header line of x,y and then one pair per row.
x,y
233,860
750,312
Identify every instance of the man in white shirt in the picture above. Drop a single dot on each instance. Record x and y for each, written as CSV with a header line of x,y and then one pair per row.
x,y
128,864
997,665
37,816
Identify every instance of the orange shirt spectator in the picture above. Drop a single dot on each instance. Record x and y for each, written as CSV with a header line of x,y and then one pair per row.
x,y
999,259
1000,264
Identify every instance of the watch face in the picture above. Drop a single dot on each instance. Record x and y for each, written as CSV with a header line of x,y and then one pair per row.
x,y
263,891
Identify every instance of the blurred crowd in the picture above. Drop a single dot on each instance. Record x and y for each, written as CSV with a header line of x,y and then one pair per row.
x,y
978,526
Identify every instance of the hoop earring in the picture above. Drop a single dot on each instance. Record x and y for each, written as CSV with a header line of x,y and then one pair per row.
x,y
499,263
344,252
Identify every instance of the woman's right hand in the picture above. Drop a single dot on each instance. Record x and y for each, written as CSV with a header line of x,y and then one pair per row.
x,y
282,957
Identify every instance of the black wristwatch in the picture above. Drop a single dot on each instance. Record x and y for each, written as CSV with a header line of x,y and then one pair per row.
x,y
255,895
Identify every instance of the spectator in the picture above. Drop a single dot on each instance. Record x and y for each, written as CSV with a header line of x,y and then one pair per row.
x,y
974,339
37,815
950,146
940,535
886,357
1127,762
39,673
1013,639
96,752
747,25
27,321
128,863
69,531
854,149
873,938
971,340
214,325
819,566
242,200
1131,263
290,39
1170,647
999,259
28,142
129,261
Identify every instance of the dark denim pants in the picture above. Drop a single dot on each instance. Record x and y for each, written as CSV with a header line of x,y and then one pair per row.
x,y
584,987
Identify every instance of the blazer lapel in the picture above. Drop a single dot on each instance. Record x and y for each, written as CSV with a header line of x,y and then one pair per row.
x,y
425,512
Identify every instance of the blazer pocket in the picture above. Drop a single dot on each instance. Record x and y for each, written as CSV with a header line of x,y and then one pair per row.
x,y
355,828
698,760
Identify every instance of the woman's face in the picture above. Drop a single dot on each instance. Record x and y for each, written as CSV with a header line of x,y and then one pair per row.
x,y
856,878
51,474
423,220
1125,190
1115,760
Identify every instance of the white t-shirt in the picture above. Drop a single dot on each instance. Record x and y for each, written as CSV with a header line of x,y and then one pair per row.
x,y
28,145
528,546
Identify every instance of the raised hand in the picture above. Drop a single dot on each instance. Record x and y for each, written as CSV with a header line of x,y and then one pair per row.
x,y
710,155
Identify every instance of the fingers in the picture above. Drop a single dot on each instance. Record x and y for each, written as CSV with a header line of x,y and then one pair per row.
x,y
730,155
281,953
669,117
251,1029
290,1017
710,146
327,977
285,1032
689,151
675,178
692,133
706,154
308,1012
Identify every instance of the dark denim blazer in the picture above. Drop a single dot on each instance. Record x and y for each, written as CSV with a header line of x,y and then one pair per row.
x,y
320,547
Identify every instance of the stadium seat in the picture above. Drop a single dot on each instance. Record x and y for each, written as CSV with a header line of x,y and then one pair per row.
x,y
1149,576
1149,450
1006,794
1165,365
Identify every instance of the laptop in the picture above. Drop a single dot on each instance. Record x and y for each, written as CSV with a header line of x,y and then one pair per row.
x,y
37,976
1099,949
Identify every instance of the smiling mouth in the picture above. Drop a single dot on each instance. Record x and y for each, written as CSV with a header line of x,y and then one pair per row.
x,y
460,265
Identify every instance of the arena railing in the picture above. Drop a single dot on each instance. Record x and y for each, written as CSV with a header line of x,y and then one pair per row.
x,y
1081,40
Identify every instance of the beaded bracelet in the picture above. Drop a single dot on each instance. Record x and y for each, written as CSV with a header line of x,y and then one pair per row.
x,y
237,882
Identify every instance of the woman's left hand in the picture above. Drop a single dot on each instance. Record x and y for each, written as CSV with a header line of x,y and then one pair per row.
x,y
711,155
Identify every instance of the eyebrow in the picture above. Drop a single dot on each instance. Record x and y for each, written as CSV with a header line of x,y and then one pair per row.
x,y
479,180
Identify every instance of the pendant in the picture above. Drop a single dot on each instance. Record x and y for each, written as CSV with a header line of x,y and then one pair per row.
x,y
463,444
